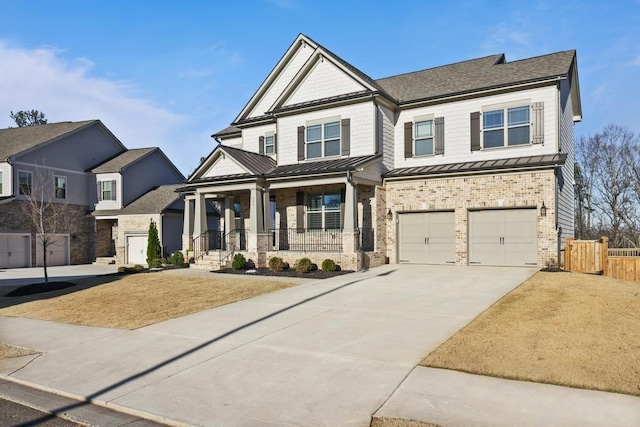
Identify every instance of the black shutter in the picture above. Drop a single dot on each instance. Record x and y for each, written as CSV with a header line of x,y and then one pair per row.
x,y
475,131
275,143
113,190
408,140
300,211
346,137
300,142
261,145
439,136
99,190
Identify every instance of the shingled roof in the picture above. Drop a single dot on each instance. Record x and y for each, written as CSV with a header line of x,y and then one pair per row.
x,y
474,75
122,160
154,201
16,140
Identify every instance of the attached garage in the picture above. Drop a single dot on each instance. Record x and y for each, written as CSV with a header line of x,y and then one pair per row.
x,y
15,250
503,237
136,249
57,251
427,238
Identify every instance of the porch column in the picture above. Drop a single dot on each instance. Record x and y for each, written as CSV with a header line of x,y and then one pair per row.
x,y
350,213
266,203
200,222
256,218
229,215
187,226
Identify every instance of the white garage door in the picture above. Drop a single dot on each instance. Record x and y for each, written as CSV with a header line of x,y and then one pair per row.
x,y
137,249
15,250
427,238
505,237
57,250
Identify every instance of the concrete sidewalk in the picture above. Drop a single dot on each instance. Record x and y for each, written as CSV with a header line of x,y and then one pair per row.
x,y
328,352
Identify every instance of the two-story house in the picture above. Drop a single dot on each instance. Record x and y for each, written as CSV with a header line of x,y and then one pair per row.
x,y
133,188
36,159
469,163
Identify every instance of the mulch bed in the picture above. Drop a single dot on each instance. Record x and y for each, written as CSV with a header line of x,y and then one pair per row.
x,y
38,288
318,274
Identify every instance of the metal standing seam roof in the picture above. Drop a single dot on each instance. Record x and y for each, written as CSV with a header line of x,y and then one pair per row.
x,y
257,164
320,167
16,140
450,168
154,201
122,160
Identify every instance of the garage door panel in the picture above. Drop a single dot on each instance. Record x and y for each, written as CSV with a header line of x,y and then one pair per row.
x,y
427,238
57,251
15,251
137,249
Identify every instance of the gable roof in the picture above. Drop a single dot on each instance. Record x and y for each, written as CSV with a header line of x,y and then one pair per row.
x,y
14,141
255,164
154,201
476,74
122,160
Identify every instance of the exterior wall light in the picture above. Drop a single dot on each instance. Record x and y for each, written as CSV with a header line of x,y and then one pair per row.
x,y
543,210
389,215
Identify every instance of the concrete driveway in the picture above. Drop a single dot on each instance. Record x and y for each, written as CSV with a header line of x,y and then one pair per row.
x,y
323,353
25,276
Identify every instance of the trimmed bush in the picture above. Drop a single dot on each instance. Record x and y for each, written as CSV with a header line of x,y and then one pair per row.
x,y
250,265
176,258
239,262
138,267
328,265
304,265
276,264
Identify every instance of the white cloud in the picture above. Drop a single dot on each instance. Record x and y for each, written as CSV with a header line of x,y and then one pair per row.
x,y
65,90
636,61
504,36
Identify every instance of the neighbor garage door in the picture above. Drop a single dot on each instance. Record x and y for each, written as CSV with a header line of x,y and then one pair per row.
x,y
427,238
137,249
15,250
57,250
505,237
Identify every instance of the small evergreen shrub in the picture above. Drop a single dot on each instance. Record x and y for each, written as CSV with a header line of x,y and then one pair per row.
x,y
276,264
328,265
239,262
176,258
304,265
154,250
122,269
138,267
250,265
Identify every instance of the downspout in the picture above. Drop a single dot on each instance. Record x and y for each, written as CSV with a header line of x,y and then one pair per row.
x,y
557,172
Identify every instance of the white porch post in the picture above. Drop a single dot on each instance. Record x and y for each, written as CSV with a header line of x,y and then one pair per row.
x,y
266,203
229,216
187,225
256,218
350,213
200,222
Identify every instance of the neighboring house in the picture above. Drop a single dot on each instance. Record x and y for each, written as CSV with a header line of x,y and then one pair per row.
x,y
128,198
38,158
469,163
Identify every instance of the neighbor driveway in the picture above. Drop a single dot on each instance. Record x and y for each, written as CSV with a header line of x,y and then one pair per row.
x,y
26,276
323,353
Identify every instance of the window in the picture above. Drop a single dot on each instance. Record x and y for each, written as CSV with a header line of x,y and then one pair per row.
x,y
24,182
60,186
106,190
323,140
516,131
423,138
269,144
323,211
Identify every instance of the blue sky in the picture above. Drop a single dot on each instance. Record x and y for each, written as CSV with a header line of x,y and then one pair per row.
x,y
169,73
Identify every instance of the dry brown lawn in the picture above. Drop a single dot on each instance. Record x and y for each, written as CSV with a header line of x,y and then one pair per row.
x,y
9,351
136,300
568,329
398,422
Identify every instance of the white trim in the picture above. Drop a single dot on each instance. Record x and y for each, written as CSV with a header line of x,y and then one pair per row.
x,y
66,188
19,192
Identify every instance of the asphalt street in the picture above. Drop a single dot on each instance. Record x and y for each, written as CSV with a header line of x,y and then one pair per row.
x,y
13,414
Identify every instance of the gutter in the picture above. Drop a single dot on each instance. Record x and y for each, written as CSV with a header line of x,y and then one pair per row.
x,y
476,172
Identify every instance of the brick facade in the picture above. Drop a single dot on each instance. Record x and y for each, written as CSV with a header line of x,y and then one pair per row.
x,y
477,192
81,229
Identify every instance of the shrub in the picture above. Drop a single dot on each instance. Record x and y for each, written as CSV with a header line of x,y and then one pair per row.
x,y
122,269
176,258
154,251
138,267
304,265
239,262
250,265
130,270
328,265
276,264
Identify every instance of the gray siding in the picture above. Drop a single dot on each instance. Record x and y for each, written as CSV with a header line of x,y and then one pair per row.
x,y
565,176
172,232
78,183
145,174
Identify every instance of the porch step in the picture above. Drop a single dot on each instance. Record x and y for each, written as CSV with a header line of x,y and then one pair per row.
x,y
105,260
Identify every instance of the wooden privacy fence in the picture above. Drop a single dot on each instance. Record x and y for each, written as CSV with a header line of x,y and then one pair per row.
x,y
595,256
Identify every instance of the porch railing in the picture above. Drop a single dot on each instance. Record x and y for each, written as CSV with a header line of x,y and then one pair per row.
x,y
305,239
212,240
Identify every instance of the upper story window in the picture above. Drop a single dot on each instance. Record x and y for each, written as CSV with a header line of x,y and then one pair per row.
x,y
506,127
323,211
25,179
323,140
107,190
60,187
423,138
269,144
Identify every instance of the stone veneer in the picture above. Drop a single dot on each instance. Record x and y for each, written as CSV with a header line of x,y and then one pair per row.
x,y
509,190
131,224
81,229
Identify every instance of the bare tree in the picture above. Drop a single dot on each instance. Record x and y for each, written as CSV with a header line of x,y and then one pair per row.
x,y
28,118
46,208
584,175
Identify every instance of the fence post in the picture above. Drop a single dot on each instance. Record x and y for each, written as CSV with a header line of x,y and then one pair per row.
x,y
605,254
567,254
